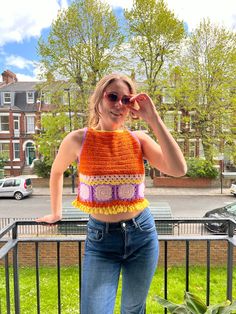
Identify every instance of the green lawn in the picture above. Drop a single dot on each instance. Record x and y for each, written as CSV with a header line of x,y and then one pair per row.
x,y
70,287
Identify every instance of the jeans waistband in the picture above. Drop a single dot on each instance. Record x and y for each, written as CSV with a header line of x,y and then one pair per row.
x,y
123,223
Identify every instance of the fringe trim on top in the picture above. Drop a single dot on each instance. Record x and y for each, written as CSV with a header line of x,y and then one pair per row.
x,y
112,209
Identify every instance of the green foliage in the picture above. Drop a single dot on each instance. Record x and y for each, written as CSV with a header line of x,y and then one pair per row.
x,y
54,130
199,168
194,305
204,85
3,159
82,43
43,168
154,33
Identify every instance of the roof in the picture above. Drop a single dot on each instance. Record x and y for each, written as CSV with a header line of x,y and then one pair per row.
x,y
19,87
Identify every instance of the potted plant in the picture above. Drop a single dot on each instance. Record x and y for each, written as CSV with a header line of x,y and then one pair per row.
x,y
194,305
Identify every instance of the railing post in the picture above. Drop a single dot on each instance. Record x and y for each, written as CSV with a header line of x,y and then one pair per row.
x,y
8,299
165,272
37,277
59,277
187,267
208,272
230,261
15,272
80,275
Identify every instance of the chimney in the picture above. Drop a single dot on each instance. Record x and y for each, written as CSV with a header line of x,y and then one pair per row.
x,y
9,77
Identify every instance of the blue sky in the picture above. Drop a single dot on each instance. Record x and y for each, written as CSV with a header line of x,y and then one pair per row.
x,y
22,22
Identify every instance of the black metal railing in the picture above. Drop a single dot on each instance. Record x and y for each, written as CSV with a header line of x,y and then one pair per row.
x,y
16,234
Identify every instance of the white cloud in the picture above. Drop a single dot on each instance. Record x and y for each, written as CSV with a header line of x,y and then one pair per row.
x,y
25,78
26,18
192,12
19,62
126,4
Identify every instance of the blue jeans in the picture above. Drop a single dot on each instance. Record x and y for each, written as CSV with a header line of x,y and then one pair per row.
x,y
130,246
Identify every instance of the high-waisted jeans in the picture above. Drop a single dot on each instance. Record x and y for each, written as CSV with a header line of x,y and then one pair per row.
x,y
130,246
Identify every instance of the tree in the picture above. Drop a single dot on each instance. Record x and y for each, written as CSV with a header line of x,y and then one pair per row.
x,y
206,85
53,132
154,34
81,43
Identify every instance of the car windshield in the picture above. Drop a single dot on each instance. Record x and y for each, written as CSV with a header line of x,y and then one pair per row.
x,y
232,208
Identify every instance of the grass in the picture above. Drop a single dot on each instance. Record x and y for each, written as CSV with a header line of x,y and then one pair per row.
x,y
70,288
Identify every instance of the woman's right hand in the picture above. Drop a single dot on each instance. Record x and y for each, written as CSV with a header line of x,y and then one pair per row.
x,y
50,219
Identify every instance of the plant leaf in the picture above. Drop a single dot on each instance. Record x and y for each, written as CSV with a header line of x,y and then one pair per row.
x,y
222,308
194,303
172,307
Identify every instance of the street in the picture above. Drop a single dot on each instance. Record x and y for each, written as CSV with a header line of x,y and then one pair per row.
x,y
181,205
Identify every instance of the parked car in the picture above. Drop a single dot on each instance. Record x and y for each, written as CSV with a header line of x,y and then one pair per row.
x,y
233,188
228,211
15,187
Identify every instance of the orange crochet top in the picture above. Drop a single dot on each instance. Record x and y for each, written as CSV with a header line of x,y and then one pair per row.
x,y
111,173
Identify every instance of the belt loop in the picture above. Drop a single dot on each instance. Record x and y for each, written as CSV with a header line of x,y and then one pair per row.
x,y
135,223
107,227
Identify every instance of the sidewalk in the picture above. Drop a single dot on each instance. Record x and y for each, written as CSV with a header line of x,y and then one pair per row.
x,y
67,191
149,190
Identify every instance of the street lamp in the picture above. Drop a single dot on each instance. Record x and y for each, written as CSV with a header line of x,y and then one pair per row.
x,y
221,160
71,166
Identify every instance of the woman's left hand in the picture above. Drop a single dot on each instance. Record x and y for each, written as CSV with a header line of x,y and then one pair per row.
x,y
146,107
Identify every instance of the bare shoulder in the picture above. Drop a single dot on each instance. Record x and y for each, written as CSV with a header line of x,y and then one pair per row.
x,y
142,136
72,143
74,137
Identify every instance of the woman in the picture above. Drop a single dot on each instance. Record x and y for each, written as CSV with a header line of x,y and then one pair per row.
x,y
121,231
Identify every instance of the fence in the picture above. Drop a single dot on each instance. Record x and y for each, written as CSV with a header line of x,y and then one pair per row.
x,y
67,238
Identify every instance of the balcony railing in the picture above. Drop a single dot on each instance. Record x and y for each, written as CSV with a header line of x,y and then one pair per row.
x,y
16,237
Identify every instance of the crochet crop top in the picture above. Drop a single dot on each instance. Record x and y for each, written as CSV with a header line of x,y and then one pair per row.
x,y
111,173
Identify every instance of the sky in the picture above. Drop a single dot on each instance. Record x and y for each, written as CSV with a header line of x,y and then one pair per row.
x,y
22,22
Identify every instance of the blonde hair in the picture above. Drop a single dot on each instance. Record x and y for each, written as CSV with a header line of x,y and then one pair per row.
x,y
96,98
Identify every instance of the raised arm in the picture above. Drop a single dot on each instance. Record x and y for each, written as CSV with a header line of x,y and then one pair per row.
x,y
166,155
68,152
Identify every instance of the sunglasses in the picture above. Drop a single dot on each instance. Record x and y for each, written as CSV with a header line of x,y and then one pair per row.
x,y
125,100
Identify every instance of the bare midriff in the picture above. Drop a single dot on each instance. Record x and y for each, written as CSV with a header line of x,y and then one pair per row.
x,y
116,217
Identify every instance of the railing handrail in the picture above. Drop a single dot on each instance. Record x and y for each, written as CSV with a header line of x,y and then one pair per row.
x,y
11,244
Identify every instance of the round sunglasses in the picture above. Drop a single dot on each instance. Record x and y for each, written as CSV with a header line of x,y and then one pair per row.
x,y
112,97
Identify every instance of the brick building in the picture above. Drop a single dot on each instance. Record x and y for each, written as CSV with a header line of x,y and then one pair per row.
x,y
18,115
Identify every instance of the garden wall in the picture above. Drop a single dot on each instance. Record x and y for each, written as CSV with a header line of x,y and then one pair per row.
x,y
176,253
186,182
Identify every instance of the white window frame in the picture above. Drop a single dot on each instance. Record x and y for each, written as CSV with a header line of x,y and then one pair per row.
x,y
190,142
2,151
181,140
191,120
179,121
14,150
30,130
201,150
46,98
16,121
166,98
202,100
30,98
4,115
170,114
4,98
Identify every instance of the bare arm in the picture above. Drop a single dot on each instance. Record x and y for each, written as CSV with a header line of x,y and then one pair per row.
x,y
166,155
68,152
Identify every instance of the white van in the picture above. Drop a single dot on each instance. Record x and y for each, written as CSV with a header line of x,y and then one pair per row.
x,y
15,187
